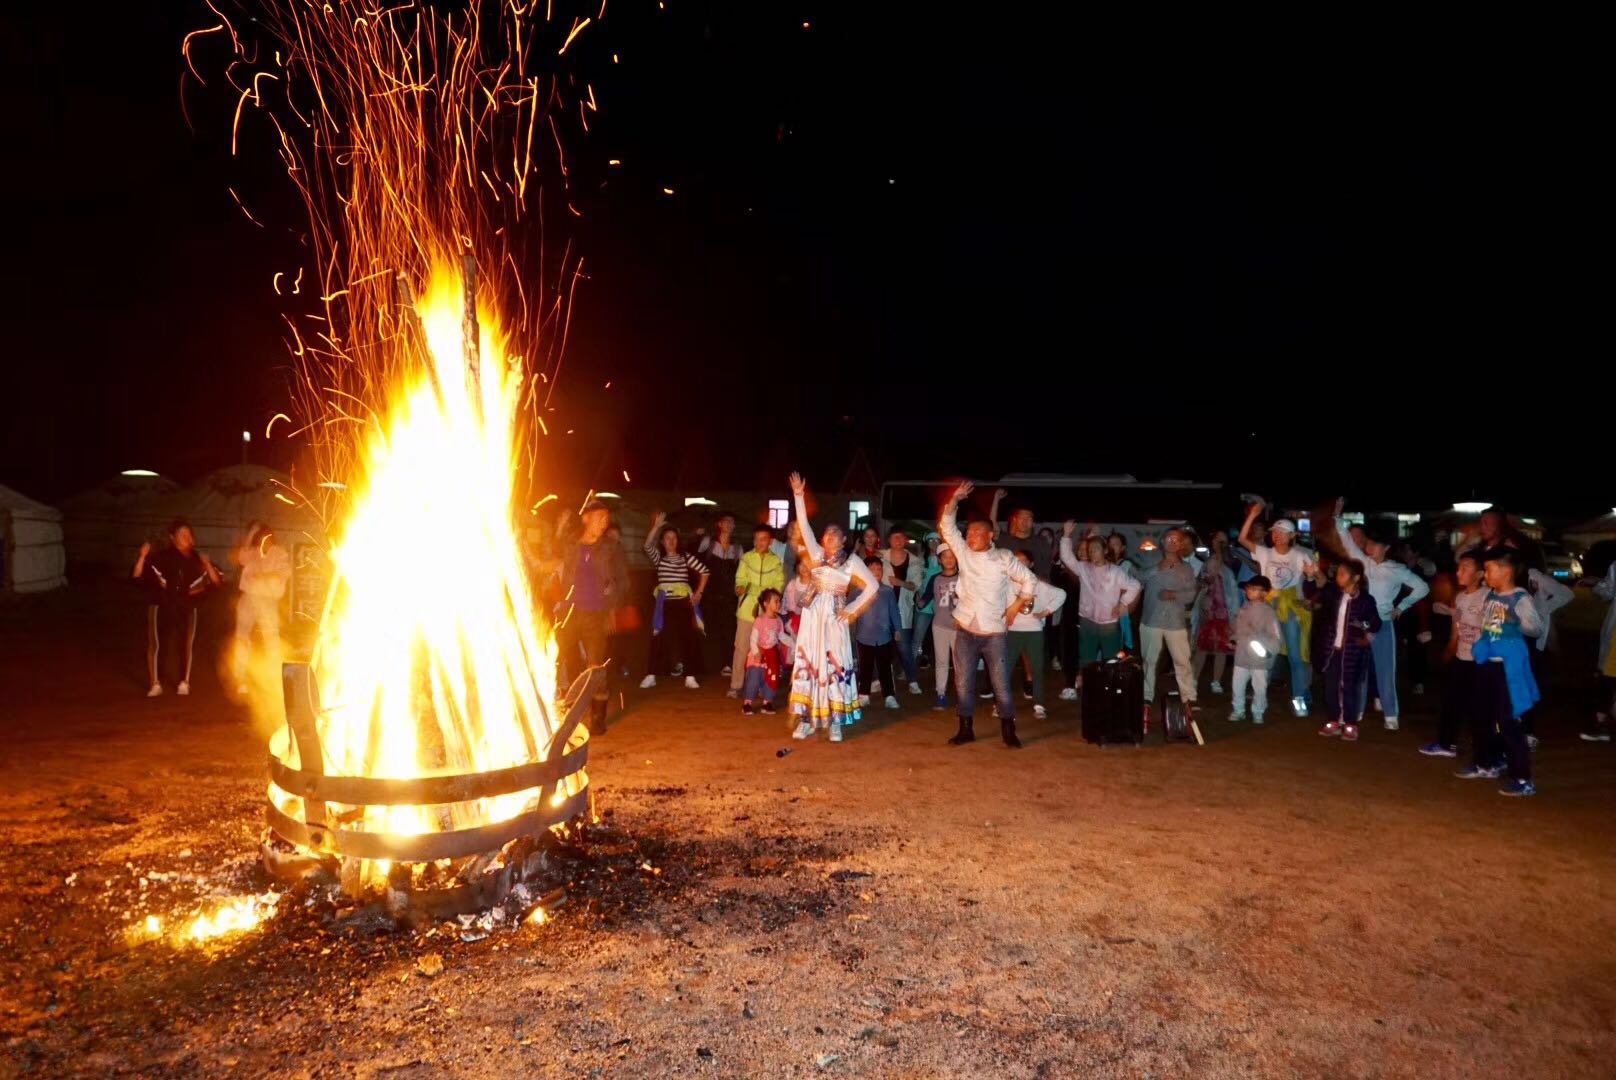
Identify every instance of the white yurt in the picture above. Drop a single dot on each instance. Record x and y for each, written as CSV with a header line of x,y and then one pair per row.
x,y
32,557
105,525
222,504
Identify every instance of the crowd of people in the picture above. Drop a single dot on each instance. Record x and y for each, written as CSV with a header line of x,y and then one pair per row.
x,y
835,624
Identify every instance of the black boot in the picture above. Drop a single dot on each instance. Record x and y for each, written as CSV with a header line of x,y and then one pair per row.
x,y
965,733
597,717
1007,728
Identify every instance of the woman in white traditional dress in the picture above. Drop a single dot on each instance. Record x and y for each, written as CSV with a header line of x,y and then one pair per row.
x,y
824,687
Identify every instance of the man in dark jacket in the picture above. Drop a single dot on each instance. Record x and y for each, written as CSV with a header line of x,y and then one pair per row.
x,y
594,582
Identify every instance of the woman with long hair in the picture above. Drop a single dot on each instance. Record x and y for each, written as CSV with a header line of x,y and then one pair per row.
x,y
824,686
673,626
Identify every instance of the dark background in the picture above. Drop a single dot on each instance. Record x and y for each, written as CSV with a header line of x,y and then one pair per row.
x,y
1293,257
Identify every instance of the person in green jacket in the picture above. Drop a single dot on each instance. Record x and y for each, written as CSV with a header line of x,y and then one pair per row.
x,y
759,569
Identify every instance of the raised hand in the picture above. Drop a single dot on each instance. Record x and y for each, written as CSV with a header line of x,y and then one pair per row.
x,y
963,492
1068,527
145,549
799,486
657,518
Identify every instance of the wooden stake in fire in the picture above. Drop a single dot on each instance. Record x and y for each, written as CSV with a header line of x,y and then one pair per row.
x,y
469,335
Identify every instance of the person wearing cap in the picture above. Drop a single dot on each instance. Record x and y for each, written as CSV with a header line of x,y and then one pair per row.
x,y
940,593
1386,580
594,582
1285,566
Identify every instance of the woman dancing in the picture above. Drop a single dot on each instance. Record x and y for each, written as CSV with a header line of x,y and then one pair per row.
x,y
824,687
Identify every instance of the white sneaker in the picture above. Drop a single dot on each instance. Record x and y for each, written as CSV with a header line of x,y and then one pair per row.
x,y
691,683
156,690
836,733
183,689
914,688
1391,723
1039,713
648,682
864,699
732,693
726,671
875,686
891,702
1256,718
1299,706
1056,663
1069,694
803,731
1217,687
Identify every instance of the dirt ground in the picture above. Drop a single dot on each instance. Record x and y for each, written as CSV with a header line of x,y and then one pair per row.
x,y
1272,904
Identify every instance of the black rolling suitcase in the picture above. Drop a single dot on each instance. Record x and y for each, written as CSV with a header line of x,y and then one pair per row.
x,y
1114,702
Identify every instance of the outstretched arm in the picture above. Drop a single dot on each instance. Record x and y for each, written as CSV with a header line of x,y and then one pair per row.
x,y
947,527
993,511
799,490
652,535
1247,540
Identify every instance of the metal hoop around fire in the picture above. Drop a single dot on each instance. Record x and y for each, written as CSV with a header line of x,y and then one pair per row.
x,y
321,831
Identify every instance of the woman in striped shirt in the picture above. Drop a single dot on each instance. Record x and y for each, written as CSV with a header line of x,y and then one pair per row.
x,y
674,626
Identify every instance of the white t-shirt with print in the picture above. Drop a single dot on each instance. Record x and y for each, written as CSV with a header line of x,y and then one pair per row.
x,y
1283,571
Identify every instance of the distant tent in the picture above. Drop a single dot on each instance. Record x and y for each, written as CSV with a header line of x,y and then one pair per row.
x,y
222,505
105,525
32,558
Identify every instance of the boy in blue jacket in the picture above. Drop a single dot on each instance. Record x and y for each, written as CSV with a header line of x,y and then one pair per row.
x,y
878,625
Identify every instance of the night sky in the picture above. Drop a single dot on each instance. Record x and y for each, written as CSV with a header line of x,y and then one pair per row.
x,y
1291,257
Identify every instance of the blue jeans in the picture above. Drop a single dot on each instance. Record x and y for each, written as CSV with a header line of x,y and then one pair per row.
x,y
921,633
995,650
756,688
1383,664
1301,677
904,643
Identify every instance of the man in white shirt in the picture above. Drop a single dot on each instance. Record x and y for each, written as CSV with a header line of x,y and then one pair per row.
x,y
993,587
1387,580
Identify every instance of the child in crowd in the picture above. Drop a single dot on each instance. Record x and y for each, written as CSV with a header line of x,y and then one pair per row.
x,y
1505,688
768,653
799,594
1027,631
1256,643
941,590
1355,619
877,627
1459,694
